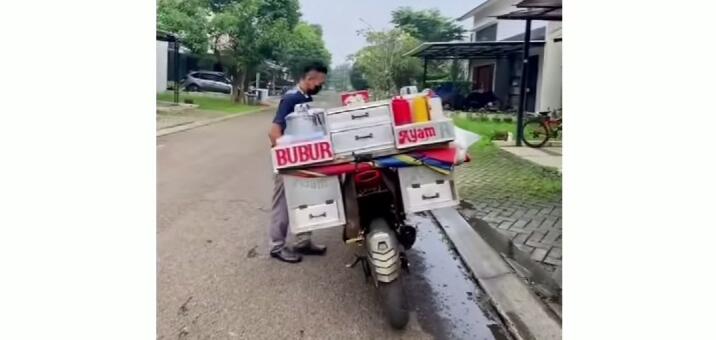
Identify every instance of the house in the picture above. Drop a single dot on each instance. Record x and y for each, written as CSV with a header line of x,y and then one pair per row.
x,y
501,73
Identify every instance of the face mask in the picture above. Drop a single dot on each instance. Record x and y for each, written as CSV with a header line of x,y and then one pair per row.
x,y
315,90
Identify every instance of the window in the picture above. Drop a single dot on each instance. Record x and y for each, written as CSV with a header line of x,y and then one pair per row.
x,y
487,34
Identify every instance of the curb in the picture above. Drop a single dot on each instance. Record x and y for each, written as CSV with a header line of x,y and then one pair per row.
x,y
524,313
196,124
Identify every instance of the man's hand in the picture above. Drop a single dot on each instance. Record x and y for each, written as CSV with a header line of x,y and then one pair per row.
x,y
274,133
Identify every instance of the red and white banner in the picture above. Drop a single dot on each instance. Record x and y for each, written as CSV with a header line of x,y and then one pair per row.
x,y
355,97
287,156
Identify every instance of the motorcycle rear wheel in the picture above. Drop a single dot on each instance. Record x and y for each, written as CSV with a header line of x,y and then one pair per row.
x,y
392,294
395,302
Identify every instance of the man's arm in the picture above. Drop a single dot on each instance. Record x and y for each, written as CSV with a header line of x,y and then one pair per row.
x,y
274,133
284,108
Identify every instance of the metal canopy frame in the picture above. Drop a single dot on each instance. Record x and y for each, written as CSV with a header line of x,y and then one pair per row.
x,y
547,14
469,50
466,50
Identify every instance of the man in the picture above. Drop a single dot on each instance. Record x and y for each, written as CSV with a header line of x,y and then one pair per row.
x,y
314,75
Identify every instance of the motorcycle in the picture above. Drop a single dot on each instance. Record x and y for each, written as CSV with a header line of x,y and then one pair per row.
x,y
375,225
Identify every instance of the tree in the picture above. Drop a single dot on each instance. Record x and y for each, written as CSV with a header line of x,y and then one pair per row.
x,y
427,25
430,25
188,20
383,61
339,77
244,39
358,81
305,45
244,34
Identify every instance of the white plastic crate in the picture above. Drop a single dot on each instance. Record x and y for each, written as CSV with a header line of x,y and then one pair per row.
x,y
313,203
425,189
363,139
350,117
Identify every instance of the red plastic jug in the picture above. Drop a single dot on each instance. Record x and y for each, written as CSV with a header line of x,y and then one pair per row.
x,y
401,111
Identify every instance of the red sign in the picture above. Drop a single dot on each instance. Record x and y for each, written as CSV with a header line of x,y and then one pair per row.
x,y
355,97
292,155
416,135
429,132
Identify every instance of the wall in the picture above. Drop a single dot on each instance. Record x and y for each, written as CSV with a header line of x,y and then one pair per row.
x,y
550,85
505,28
162,61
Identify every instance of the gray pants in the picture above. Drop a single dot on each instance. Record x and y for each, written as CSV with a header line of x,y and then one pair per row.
x,y
278,228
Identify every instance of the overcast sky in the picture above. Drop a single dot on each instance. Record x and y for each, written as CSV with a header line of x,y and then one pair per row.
x,y
341,19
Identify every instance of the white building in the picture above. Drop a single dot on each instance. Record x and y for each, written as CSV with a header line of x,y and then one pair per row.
x,y
502,74
162,60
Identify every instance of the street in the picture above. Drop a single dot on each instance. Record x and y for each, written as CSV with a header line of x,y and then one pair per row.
x,y
216,280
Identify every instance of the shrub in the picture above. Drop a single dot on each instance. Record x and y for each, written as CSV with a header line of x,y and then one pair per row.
x,y
507,119
499,135
484,118
496,119
188,101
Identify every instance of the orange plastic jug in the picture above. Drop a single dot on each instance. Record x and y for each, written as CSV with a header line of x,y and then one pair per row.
x,y
420,105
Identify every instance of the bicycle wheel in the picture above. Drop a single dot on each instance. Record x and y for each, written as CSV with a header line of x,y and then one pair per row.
x,y
535,133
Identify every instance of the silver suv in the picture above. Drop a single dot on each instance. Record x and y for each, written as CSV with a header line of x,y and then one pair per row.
x,y
207,81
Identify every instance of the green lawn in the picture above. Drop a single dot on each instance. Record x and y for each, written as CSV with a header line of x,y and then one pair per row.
x,y
486,129
208,102
494,174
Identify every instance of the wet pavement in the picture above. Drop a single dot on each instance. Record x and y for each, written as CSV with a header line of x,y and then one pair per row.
x,y
215,278
453,307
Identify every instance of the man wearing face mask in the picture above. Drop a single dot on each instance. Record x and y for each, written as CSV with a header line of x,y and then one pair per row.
x,y
314,75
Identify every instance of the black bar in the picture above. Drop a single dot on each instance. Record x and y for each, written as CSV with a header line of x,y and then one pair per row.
x,y
176,71
523,80
425,73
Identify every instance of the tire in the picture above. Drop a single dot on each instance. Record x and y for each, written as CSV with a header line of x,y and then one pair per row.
x,y
535,133
193,88
395,302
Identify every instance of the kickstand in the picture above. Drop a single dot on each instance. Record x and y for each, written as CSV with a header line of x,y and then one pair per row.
x,y
404,263
364,265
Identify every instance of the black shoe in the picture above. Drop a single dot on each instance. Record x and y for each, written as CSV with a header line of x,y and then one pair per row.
x,y
310,248
286,255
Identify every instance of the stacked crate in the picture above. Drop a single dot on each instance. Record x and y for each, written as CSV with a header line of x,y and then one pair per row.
x,y
368,128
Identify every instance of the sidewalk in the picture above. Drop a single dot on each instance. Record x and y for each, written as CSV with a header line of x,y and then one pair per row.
x,y
180,120
549,156
518,198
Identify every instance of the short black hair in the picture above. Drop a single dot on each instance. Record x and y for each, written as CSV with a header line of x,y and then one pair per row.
x,y
314,66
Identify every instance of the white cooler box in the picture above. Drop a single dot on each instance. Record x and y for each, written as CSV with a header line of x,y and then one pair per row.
x,y
313,203
361,129
425,189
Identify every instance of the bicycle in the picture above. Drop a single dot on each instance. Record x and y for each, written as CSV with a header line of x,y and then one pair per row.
x,y
538,130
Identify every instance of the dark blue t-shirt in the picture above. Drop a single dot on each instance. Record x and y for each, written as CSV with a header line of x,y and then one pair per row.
x,y
288,101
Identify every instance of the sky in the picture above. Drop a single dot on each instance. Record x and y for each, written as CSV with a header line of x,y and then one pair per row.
x,y
342,18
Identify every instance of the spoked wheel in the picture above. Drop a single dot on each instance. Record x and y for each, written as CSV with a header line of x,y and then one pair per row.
x,y
395,302
535,133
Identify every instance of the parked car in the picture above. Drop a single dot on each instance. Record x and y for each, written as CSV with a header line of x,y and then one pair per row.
x,y
209,81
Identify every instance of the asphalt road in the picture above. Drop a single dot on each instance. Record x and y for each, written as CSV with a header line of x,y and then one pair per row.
x,y
216,281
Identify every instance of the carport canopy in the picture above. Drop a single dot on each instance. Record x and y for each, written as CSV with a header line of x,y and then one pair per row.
x,y
469,50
